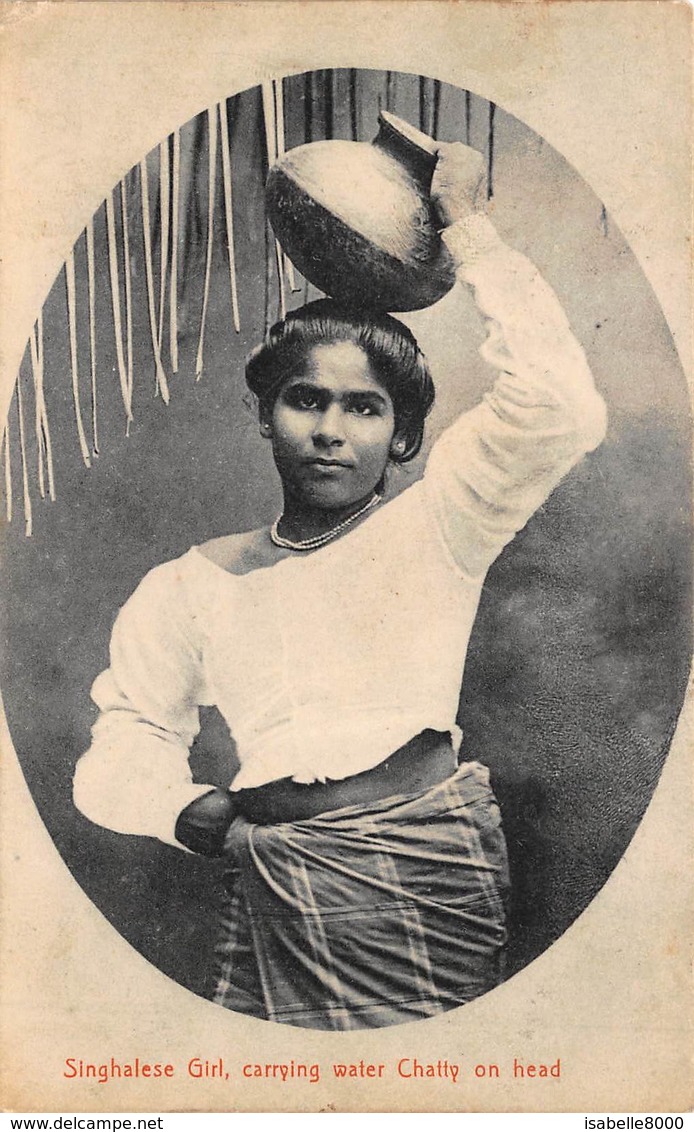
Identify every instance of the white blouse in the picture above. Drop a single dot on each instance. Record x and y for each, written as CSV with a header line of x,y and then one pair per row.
x,y
324,663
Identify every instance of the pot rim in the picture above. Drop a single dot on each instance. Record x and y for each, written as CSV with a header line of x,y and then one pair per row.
x,y
409,133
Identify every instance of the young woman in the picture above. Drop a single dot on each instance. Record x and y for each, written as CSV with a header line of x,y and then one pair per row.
x,y
367,869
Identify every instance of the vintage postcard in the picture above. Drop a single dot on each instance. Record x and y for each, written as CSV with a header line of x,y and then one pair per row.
x,y
346,564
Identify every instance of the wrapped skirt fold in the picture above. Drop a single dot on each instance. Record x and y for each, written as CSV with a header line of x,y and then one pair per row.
x,y
367,916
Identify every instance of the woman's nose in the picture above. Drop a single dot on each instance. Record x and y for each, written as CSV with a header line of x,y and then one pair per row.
x,y
329,428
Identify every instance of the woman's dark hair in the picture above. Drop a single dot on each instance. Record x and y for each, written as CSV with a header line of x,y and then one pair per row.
x,y
392,350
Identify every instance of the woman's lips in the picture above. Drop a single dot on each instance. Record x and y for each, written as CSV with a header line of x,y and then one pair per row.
x,y
327,465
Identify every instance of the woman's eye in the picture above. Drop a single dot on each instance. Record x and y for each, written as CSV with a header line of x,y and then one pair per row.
x,y
307,401
299,398
363,408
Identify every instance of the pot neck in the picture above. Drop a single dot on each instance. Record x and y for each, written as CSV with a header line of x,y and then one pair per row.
x,y
412,148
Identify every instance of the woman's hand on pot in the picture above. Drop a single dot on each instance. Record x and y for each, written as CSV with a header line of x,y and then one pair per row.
x,y
457,181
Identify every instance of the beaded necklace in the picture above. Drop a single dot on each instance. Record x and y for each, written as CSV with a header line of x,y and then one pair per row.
x,y
327,536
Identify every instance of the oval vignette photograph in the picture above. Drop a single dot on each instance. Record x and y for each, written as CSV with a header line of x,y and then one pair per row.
x,y
346,568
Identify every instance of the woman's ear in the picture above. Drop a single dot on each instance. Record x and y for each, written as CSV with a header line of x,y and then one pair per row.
x,y
397,445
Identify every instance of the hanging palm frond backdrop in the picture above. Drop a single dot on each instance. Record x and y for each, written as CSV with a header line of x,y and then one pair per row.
x,y
185,226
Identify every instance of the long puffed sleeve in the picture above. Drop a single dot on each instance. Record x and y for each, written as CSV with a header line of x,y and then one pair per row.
x,y
497,464
135,777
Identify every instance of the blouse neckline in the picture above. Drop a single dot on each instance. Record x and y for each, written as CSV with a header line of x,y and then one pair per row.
x,y
303,556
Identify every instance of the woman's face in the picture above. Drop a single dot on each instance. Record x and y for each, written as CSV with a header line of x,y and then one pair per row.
x,y
332,428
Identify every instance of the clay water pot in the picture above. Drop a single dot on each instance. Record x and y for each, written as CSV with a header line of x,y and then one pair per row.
x,y
357,219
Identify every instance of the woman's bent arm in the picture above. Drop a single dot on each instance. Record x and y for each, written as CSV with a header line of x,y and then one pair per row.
x,y
135,777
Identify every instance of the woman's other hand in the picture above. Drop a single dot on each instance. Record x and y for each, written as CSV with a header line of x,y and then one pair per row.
x,y
458,177
204,824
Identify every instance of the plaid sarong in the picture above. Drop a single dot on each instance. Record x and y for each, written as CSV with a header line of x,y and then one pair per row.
x,y
367,916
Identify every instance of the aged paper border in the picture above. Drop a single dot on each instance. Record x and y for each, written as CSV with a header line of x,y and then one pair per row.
x,y
86,89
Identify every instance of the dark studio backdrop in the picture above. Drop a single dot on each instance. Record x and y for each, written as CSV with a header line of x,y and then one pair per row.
x,y
579,658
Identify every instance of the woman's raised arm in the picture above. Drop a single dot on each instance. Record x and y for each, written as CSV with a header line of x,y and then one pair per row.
x,y
498,463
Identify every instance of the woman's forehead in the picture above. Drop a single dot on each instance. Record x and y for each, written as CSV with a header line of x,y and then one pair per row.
x,y
339,366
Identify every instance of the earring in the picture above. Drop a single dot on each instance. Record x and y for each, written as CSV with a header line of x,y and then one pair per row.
x,y
265,428
398,446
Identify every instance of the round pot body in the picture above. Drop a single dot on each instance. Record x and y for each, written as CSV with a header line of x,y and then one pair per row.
x,y
357,219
